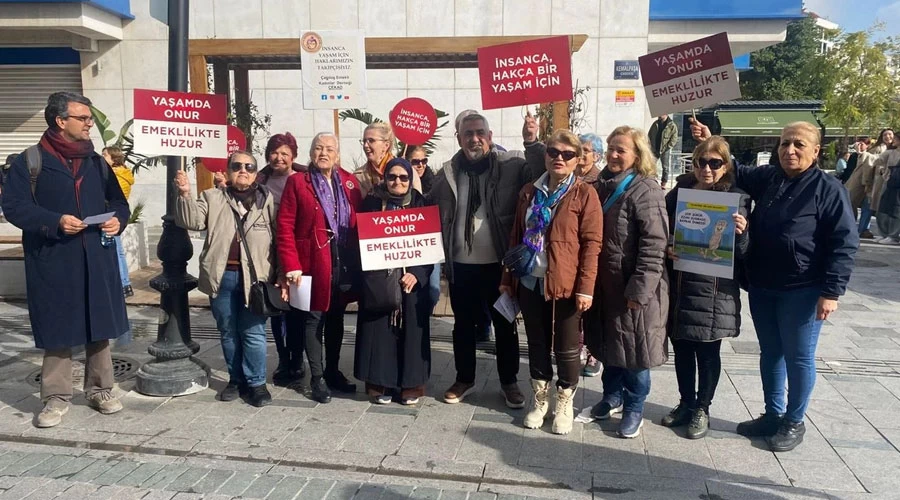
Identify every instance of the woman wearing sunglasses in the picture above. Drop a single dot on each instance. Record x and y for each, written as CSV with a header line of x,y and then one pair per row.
x,y
559,219
418,158
378,145
627,328
225,267
393,350
317,239
704,309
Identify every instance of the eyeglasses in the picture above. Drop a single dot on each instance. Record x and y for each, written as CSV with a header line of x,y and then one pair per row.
x,y
566,155
423,161
236,166
370,141
85,119
712,163
397,177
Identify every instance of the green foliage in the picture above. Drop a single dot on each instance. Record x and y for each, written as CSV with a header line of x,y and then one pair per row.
x,y
248,118
137,210
577,110
368,119
862,90
124,140
789,70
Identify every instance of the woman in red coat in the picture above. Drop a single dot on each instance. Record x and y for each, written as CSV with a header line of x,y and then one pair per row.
x,y
317,238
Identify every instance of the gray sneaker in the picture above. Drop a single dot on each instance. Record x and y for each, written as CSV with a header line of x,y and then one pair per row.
x,y
52,414
104,402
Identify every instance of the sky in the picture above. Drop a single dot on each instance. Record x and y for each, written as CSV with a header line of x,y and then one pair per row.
x,y
859,15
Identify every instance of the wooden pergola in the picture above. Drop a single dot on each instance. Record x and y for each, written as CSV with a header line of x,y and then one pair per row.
x,y
243,55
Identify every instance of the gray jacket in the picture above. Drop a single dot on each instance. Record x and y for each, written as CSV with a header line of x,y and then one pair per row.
x,y
214,212
508,173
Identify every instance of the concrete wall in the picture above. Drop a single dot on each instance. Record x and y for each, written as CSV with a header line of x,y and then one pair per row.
x,y
617,29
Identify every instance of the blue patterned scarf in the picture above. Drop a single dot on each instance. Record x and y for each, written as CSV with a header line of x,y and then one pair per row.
x,y
334,202
538,220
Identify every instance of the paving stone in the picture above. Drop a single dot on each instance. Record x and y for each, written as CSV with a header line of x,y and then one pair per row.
x,y
82,490
315,489
26,463
8,459
447,468
51,464
540,448
425,493
94,470
50,490
116,473
454,495
118,493
738,461
378,433
370,492
288,488
876,332
269,426
187,496
24,488
604,452
165,476
186,481
141,474
212,481
392,491
342,490
236,485
263,486
72,467
741,491
491,441
159,495
574,480
875,469
820,475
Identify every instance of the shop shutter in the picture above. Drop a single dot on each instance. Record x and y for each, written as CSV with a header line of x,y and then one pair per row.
x,y
23,95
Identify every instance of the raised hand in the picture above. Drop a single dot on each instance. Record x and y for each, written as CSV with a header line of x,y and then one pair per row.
x,y
182,183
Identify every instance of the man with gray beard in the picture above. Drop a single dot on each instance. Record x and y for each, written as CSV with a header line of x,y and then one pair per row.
x,y
477,193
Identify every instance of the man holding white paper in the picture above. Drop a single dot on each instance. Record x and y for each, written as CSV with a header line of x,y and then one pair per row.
x,y
74,291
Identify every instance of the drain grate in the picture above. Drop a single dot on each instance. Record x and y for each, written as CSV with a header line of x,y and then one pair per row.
x,y
124,368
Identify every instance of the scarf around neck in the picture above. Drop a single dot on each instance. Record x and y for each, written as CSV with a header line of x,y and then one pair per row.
x,y
334,202
392,201
474,171
538,219
65,150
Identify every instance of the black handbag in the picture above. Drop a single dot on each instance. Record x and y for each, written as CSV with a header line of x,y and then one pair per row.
x,y
381,291
265,298
519,260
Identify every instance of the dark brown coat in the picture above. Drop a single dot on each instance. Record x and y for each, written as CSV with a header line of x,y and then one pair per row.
x,y
632,267
573,241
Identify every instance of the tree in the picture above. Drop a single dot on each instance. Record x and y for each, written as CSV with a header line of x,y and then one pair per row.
x,y
792,69
862,88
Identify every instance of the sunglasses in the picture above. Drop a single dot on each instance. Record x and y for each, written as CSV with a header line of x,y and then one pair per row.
x,y
237,166
397,177
566,155
712,163
423,161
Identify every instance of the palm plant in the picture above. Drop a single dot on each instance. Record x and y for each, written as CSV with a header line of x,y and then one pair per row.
x,y
124,140
368,119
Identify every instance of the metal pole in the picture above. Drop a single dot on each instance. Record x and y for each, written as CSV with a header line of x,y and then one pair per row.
x,y
174,372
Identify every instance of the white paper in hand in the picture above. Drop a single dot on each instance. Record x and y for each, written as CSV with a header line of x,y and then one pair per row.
x,y
508,307
98,219
301,293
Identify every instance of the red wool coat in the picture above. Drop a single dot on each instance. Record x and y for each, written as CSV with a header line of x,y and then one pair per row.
x,y
303,233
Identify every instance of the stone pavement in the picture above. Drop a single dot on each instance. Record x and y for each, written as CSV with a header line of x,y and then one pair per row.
x,y
197,447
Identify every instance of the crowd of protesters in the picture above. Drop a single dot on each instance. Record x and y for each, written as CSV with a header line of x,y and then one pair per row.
x,y
577,234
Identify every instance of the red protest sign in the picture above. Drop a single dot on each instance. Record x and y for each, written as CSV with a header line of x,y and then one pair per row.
x,y
414,121
179,123
236,142
690,75
531,72
400,238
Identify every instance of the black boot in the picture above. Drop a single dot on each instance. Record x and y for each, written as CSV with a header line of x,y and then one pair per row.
x,y
338,382
765,425
789,435
680,415
231,392
284,375
259,396
320,390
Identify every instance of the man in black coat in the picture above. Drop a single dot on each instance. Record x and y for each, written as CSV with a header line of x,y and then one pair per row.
x,y
71,269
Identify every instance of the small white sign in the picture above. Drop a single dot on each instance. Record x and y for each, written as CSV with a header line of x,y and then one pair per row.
x,y
508,307
301,293
333,69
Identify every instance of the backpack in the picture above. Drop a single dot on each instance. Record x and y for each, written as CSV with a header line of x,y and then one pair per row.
x,y
35,163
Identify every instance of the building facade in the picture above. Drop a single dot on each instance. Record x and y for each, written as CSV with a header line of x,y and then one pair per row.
x,y
106,48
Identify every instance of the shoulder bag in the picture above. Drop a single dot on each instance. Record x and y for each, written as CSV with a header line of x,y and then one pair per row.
x,y
265,297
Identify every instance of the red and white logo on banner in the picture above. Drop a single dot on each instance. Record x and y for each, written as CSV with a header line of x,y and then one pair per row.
x,y
400,238
236,142
180,124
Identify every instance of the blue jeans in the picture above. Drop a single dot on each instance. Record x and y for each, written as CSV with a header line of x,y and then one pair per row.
x,y
865,216
123,263
243,333
788,331
434,286
630,387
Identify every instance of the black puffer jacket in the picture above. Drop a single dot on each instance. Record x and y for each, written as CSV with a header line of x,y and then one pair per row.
x,y
706,308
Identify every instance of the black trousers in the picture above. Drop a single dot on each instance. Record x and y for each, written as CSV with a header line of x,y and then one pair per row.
x,y
323,331
697,364
288,336
551,330
474,287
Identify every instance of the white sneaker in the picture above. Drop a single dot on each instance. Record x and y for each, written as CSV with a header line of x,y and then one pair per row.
x,y
52,413
888,240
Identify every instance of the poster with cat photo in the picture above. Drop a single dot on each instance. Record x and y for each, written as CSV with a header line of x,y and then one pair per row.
x,y
704,232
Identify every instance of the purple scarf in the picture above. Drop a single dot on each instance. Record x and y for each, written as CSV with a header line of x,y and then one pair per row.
x,y
334,202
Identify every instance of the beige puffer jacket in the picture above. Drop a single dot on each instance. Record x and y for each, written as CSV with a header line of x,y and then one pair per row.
x,y
214,212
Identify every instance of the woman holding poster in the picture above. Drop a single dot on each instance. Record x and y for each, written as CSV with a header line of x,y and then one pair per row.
x,y
558,218
704,309
804,241
317,241
627,327
393,344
